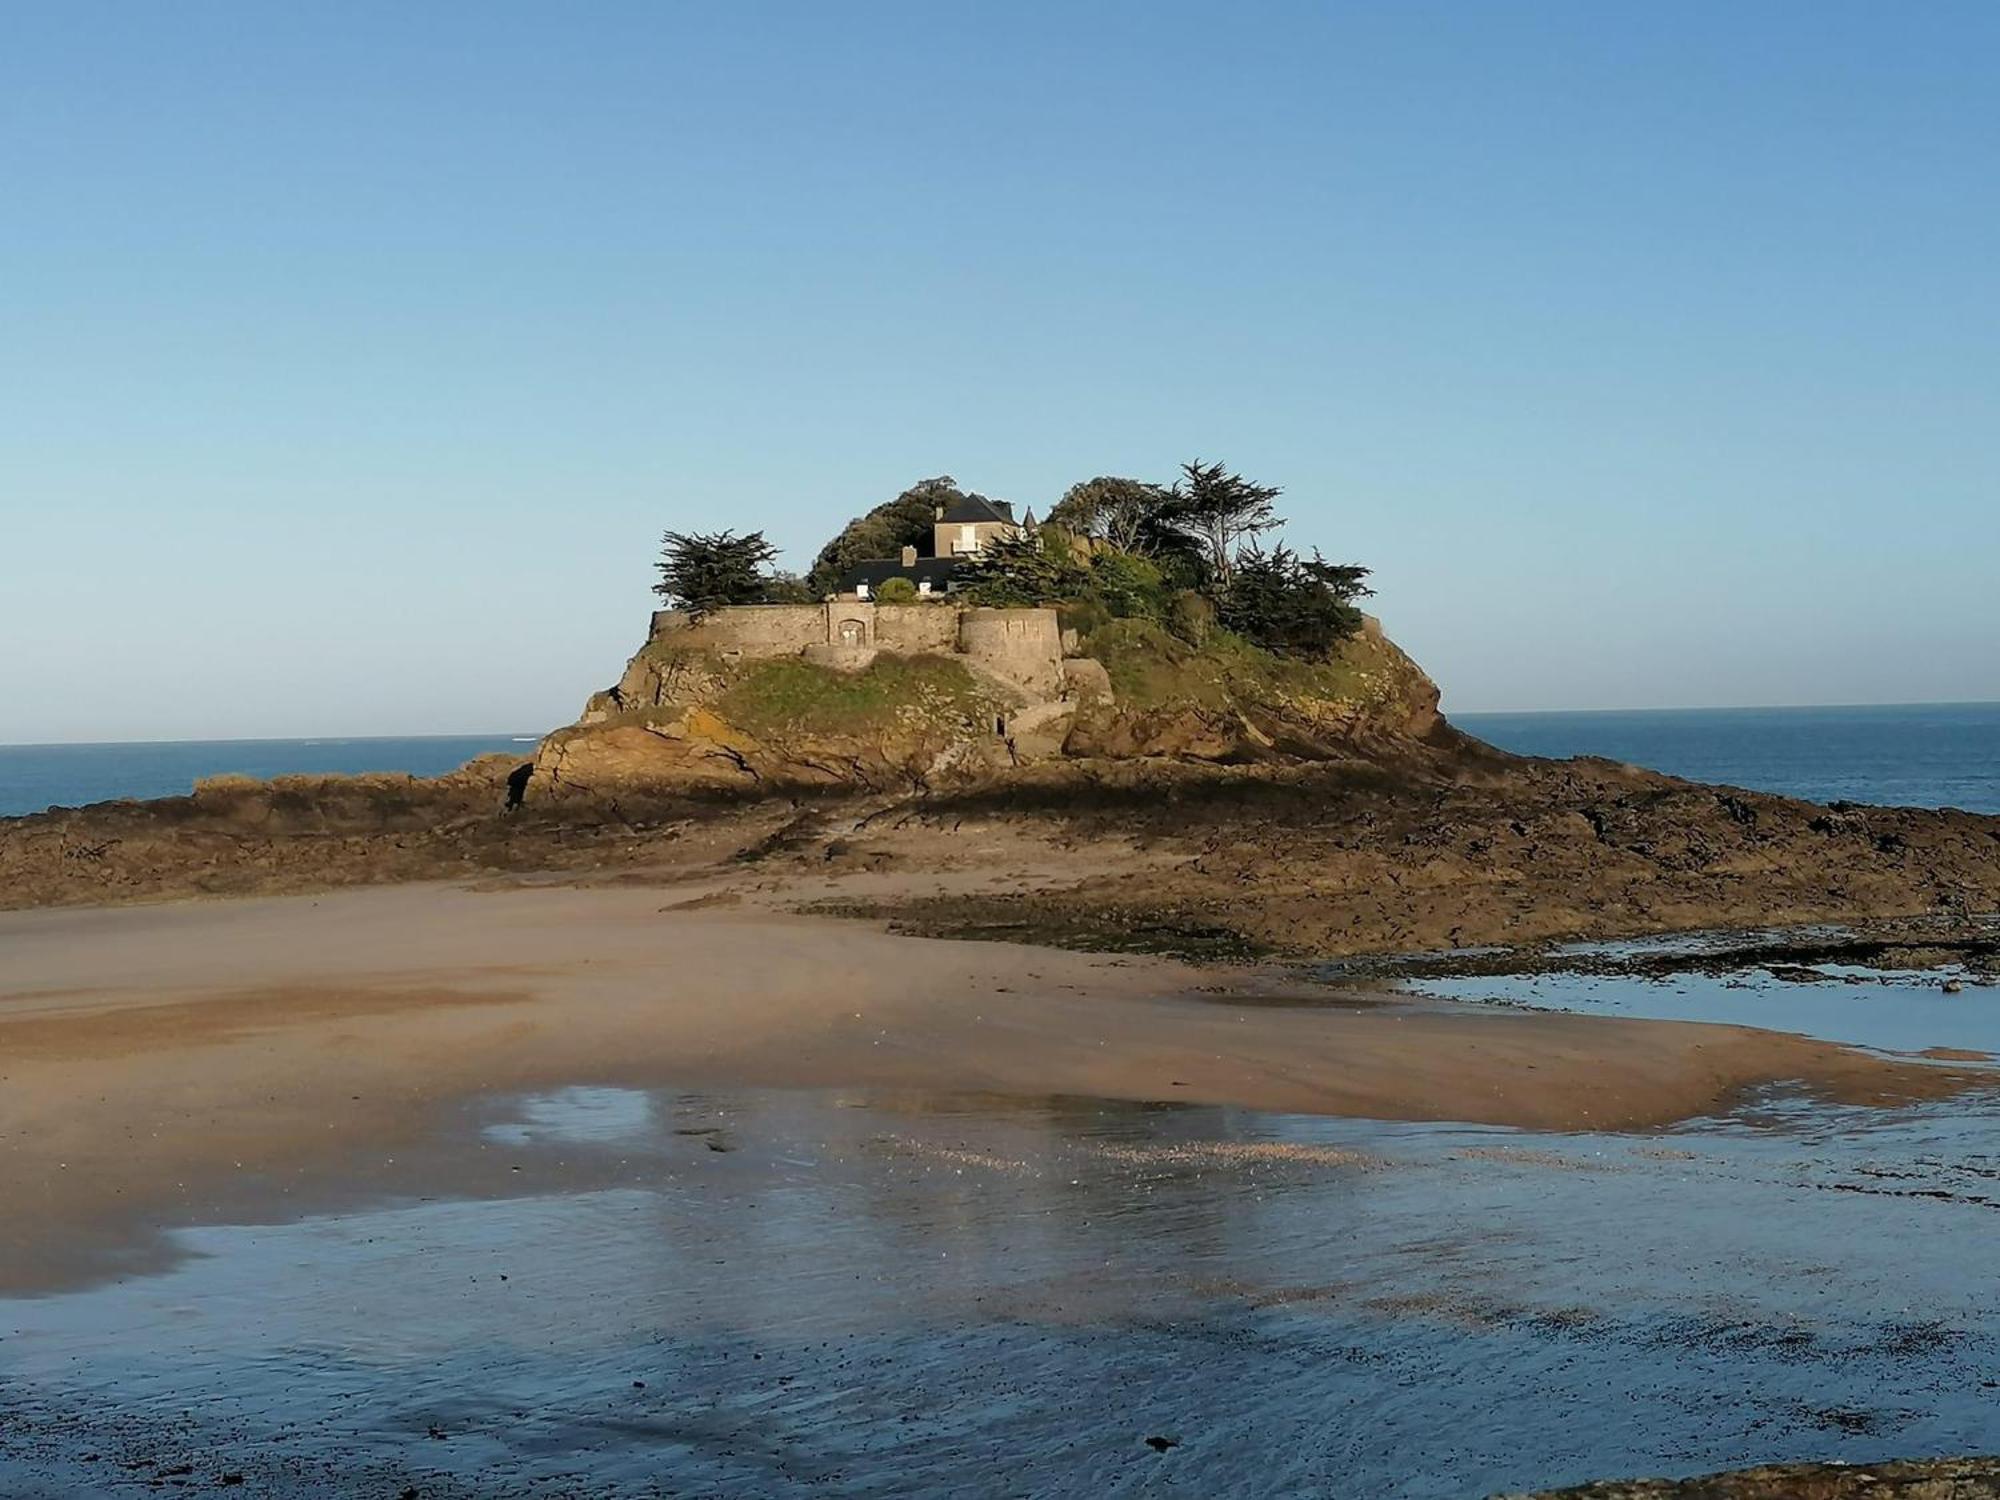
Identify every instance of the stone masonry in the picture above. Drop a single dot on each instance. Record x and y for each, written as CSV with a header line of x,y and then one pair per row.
x,y
1020,647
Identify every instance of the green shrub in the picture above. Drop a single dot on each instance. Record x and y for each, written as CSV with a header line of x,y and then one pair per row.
x,y
788,588
1015,572
1083,616
896,591
706,570
1152,669
1129,514
1287,604
1190,615
1129,585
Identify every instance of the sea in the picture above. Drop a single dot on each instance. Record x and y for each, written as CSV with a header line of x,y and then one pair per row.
x,y
1921,755
34,778
1907,755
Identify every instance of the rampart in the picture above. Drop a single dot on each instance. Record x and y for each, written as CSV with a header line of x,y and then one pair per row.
x,y
1020,646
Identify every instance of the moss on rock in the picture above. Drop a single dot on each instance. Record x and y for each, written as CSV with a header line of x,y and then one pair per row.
x,y
1152,670
790,694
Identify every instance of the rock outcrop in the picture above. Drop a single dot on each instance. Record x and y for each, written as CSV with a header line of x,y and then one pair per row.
x,y
917,697
1928,1479
695,720
1413,847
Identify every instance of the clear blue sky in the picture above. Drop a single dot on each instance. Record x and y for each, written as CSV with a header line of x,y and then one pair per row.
x,y
353,357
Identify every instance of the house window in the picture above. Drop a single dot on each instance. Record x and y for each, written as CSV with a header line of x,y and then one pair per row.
x,y
861,591
968,540
923,585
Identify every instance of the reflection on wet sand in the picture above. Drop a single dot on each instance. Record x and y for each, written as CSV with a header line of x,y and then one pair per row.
x,y
556,1192
246,1059
750,1291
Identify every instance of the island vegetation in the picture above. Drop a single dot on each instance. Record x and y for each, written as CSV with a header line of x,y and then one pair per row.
x,y
1188,557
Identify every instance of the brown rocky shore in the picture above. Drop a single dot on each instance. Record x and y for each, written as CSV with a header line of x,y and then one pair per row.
x,y
1463,848
1257,805
1936,1479
1400,845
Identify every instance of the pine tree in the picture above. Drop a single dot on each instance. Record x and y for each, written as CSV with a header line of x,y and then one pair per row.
x,y
1215,510
702,571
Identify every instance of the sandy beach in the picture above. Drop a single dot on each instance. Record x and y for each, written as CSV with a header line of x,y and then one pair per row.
x,y
230,1060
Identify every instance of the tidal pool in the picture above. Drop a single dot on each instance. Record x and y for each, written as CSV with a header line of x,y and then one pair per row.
x,y
1887,1010
773,1293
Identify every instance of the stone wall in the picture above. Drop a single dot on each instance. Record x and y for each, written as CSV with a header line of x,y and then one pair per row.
x,y
1022,645
753,630
915,629
1019,646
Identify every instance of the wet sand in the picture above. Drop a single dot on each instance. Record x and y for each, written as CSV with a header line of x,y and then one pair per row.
x,y
861,1293
243,1060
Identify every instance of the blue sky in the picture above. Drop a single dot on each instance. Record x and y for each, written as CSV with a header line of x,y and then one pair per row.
x,y
353,358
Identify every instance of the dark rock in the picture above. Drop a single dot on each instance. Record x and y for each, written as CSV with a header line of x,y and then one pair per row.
x,y
1929,1479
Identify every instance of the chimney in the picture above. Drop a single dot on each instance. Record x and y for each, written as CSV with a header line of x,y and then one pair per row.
x,y
909,557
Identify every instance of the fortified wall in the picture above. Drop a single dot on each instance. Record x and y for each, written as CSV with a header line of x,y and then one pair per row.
x,y
1022,647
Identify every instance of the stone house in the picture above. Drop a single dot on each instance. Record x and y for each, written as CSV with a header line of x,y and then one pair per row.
x,y
961,530
968,523
931,575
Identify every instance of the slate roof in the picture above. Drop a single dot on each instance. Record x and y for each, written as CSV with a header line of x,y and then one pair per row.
x,y
876,571
968,509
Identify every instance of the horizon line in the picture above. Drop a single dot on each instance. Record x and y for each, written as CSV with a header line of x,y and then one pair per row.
x,y
275,739
1728,708
1469,713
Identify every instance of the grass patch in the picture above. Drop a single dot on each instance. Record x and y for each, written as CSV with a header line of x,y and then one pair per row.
x,y
891,691
1151,668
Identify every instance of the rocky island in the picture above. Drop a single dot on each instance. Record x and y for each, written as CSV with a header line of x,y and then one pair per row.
x,y
1264,806
1142,825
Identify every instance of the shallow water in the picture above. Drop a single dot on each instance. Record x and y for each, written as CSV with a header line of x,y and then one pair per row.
x,y
1883,1010
864,1294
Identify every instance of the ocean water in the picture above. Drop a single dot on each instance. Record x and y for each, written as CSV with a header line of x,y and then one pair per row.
x,y
1918,755
35,777
1926,755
